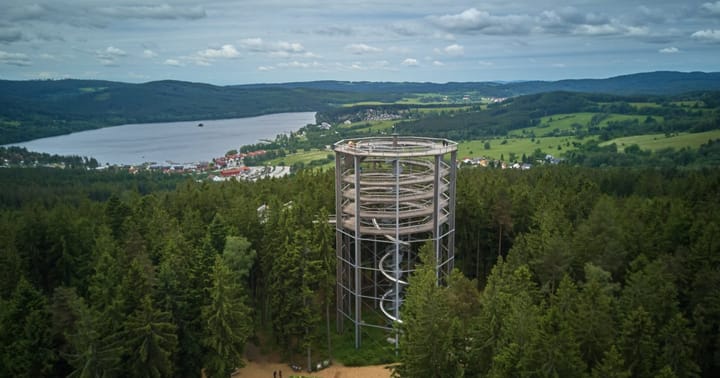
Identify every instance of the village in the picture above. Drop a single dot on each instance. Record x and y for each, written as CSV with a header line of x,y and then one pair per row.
x,y
232,167
224,168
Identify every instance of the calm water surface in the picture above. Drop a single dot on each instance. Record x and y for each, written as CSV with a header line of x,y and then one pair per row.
x,y
176,142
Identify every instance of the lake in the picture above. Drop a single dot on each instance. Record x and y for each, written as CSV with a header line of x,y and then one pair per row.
x,y
176,142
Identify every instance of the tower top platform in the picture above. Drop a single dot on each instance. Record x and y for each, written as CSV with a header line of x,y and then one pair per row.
x,y
395,146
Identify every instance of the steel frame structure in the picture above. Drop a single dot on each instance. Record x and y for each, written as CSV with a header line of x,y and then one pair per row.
x,y
393,194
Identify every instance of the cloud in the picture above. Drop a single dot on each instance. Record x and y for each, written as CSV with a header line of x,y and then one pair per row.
x,y
279,49
10,35
147,53
445,36
226,51
669,50
650,15
252,44
14,59
47,56
473,20
336,30
708,35
296,64
266,68
406,29
596,30
410,62
572,15
455,50
291,47
438,63
361,48
470,19
485,63
173,62
93,16
378,65
562,21
637,31
110,55
712,8
158,12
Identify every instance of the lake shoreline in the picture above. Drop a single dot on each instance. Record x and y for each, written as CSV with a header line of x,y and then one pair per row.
x,y
182,142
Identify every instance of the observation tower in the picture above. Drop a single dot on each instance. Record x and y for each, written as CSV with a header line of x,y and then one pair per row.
x,y
393,194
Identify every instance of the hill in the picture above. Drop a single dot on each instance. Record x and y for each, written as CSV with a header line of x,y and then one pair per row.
x,y
649,83
35,109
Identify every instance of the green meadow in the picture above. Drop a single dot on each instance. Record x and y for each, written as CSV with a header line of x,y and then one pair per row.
x,y
555,146
655,142
568,122
303,157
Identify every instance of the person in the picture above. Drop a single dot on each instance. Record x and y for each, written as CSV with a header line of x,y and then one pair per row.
x,y
274,374
280,373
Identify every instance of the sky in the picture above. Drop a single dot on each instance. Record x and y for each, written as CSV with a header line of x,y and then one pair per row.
x,y
269,41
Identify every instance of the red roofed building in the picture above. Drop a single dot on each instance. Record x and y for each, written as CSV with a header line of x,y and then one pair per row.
x,y
234,171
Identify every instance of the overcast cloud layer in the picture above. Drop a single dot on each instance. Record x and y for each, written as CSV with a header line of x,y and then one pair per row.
x,y
236,42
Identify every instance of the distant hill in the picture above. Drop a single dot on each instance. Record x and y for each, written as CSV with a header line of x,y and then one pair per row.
x,y
35,109
650,83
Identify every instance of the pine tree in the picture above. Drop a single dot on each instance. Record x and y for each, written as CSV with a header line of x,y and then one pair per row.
x,y
611,366
179,294
556,351
149,340
637,343
227,322
26,347
92,354
428,330
595,325
677,347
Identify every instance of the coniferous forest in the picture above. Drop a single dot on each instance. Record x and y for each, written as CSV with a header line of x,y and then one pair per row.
x,y
561,271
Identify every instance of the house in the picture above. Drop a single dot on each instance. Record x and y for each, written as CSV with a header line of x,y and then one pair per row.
x,y
234,171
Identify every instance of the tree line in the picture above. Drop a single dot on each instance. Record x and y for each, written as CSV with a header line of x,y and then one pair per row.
x,y
561,271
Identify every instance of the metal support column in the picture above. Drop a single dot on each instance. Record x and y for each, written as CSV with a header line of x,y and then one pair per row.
x,y
358,253
339,318
451,205
436,216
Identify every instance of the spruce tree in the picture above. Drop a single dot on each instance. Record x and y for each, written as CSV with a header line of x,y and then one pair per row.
x,y
227,322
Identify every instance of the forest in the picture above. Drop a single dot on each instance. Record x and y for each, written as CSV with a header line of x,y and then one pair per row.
x,y
560,271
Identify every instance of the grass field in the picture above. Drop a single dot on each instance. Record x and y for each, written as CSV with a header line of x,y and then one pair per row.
x,y
305,157
567,122
517,146
655,142
446,109
376,125
644,105
367,103
560,122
